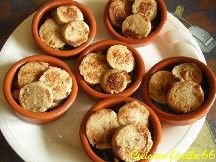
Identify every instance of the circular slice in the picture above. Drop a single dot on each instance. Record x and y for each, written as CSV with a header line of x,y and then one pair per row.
x,y
185,96
133,113
114,81
119,10
75,33
146,7
65,14
121,58
31,72
50,34
136,26
130,138
159,84
36,97
100,127
188,71
59,81
92,67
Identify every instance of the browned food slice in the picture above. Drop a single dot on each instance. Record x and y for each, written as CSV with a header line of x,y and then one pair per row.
x,y
130,138
133,113
114,81
119,10
100,127
188,71
159,84
31,72
185,96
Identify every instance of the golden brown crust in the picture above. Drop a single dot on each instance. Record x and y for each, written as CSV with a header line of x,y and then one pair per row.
x,y
119,10
92,67
100,127
146,7
185,96
129,138
188,71
31,72
159,84
133,113
114,81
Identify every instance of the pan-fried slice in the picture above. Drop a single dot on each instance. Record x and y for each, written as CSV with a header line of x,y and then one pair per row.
x,y
59,81
92,67
65,14
188,71
50,34
75,33
121,58
146,7
36,97
159,84
133,113
31,72
100,127
119,10
114,81
129,138
136,26
185,96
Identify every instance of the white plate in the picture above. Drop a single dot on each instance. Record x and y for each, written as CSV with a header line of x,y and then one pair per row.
x,y
59,141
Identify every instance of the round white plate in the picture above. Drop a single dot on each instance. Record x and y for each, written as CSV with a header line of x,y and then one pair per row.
x,y
59,141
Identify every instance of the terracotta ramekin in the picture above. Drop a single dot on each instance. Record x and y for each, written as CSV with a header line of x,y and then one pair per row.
x,y
208,85
38,117
155,126
41,16
103,46
160,21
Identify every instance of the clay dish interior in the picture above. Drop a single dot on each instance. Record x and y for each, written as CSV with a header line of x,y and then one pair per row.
x,y
45,11
103,46
208,85
38,117
114,104
157,26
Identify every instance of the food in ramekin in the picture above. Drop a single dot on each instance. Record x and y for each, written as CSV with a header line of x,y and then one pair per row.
x,y
66,25
110,69
42,87
179,89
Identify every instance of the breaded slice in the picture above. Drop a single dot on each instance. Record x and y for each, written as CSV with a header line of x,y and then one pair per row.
x,y
188,71
136,26
159,84
75,33
121,58
119,10
31,72
130,138
133,113
185,96
50,34
65,14
59,81
36,97
55,104
146,7
100,127
114,81
92,67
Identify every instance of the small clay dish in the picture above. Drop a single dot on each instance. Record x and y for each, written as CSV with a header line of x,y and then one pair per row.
x,y
102,47
157,25
38,117
115,104
208,85
45,11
